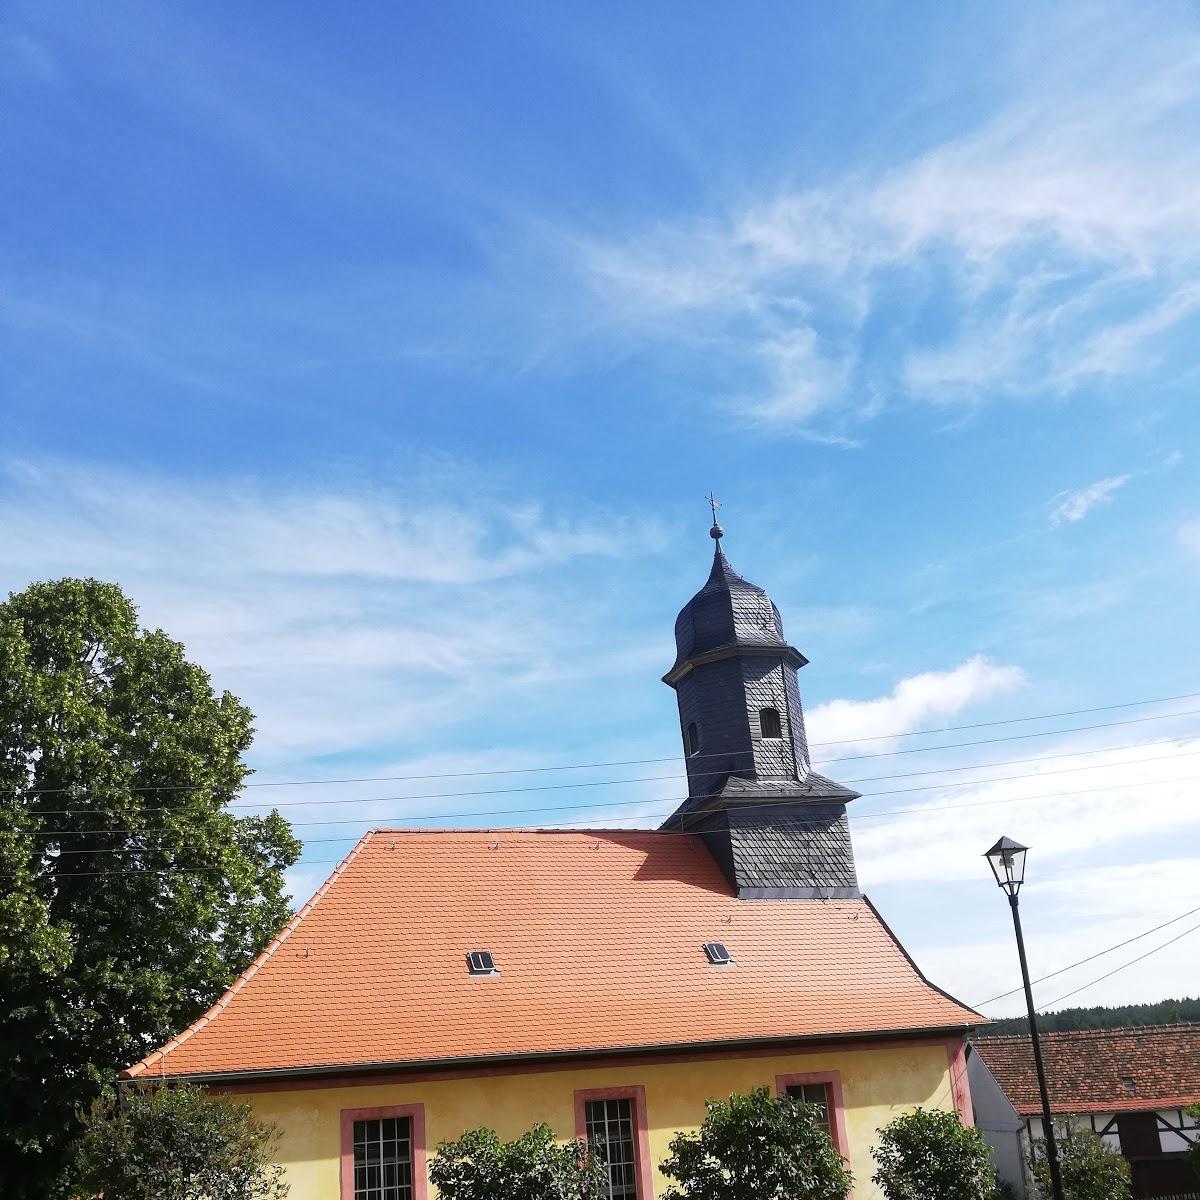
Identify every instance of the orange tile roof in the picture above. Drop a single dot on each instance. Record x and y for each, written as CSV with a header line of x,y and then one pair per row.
x,y
598,939
1086,1069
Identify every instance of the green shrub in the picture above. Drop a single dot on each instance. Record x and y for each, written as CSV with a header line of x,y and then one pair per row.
x,y
756,1147
1090,1170
479,1166
175,1143
928,1154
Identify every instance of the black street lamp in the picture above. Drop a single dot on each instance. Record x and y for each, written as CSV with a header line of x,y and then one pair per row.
x,y
1007,860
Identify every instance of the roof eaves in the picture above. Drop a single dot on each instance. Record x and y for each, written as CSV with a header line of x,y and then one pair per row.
x,y
140,1068
487,1060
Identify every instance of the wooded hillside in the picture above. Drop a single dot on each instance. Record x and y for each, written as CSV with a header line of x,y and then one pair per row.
x,y
1164,1012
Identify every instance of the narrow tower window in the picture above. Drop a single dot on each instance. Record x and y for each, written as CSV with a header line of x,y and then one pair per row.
x,y
693,739
768,722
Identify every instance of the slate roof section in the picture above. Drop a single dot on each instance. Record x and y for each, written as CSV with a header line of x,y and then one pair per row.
x,y
760,795
806,847
598,937
727,610
1100,1070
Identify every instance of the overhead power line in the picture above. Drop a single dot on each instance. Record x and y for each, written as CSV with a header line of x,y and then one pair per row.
x,y
680,799
1117,970
1137,937
672,758
585,824
702,774
376,821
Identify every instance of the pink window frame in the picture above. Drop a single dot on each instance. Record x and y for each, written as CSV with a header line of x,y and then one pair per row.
x,y
416,1115
641,1129
837,1106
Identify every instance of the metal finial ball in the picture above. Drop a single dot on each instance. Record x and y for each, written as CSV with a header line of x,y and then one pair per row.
x,y
716,532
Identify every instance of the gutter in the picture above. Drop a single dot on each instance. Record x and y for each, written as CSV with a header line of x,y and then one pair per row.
x,y
490,1060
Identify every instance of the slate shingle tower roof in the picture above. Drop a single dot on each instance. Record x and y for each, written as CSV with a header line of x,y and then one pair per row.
x,y
726,610
777,827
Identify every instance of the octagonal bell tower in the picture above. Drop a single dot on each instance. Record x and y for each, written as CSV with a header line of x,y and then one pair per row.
x,y
776,827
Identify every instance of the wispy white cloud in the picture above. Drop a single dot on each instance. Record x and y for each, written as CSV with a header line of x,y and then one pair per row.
x,y
1061,234
347,617
1111,832
959,820
1075,505
913,702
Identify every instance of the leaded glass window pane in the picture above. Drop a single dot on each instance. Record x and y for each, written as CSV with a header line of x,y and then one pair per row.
x,y
383,1159
610,1136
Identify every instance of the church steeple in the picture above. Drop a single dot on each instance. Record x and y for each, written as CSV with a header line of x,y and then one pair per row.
x,y
779,827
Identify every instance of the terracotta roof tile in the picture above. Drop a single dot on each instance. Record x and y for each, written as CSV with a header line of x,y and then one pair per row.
x,y
597,936
1087,1069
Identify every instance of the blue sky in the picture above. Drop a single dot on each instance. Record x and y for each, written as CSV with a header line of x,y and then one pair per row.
x,y
385,359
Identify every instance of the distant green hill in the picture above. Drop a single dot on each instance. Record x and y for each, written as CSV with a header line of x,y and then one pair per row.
x,y
1100,1016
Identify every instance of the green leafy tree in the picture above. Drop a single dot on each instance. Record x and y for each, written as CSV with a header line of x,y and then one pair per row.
x,y
927,1154
479,1166
176,1143
1089,1169
757,1147
131,895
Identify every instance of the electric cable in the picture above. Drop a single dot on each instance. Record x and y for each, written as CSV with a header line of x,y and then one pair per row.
x,y
680,799
635,761
1090,958
694,775
1117,970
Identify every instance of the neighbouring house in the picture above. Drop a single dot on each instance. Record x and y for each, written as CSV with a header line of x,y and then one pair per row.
x,y
1130,1086
604,982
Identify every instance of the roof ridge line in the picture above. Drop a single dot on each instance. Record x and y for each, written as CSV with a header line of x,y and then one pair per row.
x,y
267,952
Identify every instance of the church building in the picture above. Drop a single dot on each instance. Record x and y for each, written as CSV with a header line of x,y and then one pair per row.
x,y
605,982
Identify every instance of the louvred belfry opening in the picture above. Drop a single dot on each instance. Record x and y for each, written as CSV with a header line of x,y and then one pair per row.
x,y
776,827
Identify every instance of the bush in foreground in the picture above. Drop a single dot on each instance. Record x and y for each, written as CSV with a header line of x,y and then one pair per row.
x,y
479,1166
1090,1170
175,1143
757,1147
928,1154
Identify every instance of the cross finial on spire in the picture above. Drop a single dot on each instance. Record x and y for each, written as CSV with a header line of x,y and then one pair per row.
x,y
716,532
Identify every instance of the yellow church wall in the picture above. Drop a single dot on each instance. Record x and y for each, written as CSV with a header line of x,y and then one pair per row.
x,y
877,1082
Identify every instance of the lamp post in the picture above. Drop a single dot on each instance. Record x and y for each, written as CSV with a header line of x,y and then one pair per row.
x,y
1007,860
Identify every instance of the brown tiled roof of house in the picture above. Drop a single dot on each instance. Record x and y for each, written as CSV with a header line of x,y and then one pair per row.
x,y
1100,1070
598,940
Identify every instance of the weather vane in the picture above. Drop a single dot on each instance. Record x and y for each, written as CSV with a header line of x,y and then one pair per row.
x,y
716,531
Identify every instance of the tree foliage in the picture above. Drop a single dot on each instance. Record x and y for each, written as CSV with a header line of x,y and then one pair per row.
x,y
927,1154
479,1166
1089,1169
756,1147
175,1143
111,942
1104,1016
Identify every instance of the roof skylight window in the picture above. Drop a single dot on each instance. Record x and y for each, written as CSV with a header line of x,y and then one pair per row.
x,y
481,962
718,956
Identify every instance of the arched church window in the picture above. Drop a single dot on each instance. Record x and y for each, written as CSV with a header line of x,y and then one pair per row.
x,y
693,739
768,723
